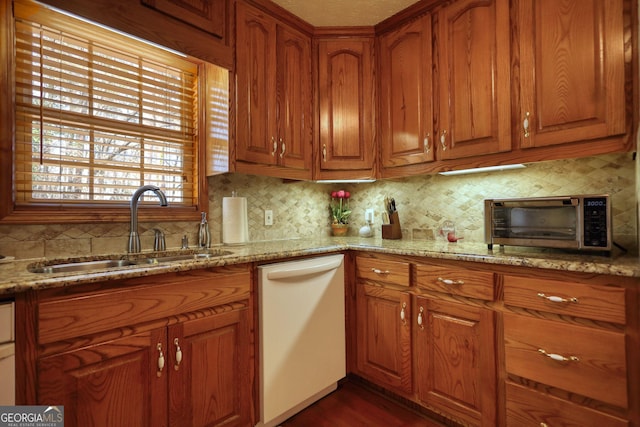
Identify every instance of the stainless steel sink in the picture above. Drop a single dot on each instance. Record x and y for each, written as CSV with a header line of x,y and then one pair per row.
x,y
87,266
183,257
81,266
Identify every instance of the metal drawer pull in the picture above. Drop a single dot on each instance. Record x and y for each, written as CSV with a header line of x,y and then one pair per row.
x,y
420,318
178,354
402,313
450,282
377,271
443,140
275,146
559,357
543,424
160,360
525,124
557,299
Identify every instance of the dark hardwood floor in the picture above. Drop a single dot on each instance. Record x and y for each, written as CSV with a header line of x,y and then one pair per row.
x,y
354,405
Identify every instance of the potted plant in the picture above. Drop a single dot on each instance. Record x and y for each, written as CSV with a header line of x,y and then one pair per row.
x,y
340,212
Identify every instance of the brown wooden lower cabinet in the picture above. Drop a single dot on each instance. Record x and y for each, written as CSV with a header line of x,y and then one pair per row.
x,y
455,371
205,389
500,345
112,383
384,336
438,353
530,408
170,350
570,350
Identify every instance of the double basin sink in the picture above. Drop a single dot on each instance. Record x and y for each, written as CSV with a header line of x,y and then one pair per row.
x,y
67,266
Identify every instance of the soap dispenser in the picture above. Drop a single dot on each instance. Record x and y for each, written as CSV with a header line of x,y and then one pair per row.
x,y
204,236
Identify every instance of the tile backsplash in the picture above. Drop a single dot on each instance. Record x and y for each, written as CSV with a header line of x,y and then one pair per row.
x,y
301,209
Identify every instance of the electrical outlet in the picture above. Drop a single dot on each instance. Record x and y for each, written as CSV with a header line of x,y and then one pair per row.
x,y
369,214
268,217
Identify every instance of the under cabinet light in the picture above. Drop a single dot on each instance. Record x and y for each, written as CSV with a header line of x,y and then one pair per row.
x,y
484,169
343,181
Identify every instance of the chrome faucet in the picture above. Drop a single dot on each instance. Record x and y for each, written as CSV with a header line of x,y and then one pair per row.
x,y
134,237
159,243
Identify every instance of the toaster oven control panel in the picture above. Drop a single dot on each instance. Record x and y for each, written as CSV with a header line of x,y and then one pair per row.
x,y
595,225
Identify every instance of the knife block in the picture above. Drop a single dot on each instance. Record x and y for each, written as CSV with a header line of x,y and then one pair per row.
x,y
392,230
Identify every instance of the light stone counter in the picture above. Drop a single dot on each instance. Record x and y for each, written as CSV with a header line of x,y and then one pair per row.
x,y
15,277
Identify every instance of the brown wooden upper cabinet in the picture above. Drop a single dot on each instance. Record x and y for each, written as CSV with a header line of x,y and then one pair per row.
x,y
459,84
406,100
472,41
571,71
347,111
274,119
207,15
467,112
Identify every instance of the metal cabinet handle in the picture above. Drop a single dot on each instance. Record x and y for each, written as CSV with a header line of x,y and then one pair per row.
x,y
450,282
559,357
160,360
525,124
420,321
443,140
377,271
275,146
178,354
283,147
403,313
324,152
427,148
553,298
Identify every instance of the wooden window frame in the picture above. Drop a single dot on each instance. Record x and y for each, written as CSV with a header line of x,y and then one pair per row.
x,y
78,213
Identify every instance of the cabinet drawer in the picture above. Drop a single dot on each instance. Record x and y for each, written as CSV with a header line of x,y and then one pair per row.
x,y
456,281
531,408
598,371
576,299
383,270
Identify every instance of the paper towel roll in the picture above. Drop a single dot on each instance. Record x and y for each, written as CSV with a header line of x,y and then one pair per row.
x,y
235,225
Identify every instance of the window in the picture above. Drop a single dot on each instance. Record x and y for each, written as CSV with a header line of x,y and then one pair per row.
x,y
97,115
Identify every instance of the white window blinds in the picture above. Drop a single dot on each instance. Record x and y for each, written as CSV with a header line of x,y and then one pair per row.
x,y
99,114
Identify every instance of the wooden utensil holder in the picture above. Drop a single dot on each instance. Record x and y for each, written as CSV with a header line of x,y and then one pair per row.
x,y
392,230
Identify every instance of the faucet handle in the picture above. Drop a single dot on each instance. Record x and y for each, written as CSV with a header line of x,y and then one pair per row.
x,y
159,243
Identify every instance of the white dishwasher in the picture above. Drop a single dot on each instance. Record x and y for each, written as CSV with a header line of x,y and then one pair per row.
x,y
302,334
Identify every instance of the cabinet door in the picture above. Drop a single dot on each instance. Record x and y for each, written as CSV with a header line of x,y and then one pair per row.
x,y
406,95
347,115
207,15
474,78
455,354
211,384
294,99
118,383
571,70
384,336
256,64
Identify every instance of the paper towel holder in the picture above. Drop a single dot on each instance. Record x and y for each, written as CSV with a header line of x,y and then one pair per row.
x,y
235,223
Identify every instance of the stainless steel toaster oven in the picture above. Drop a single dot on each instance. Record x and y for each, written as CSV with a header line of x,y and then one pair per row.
x,y
568,222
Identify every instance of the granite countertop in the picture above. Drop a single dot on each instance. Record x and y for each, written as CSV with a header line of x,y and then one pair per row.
x,y
15,277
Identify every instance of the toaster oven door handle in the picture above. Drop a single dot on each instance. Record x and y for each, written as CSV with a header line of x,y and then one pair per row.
x,y
539,202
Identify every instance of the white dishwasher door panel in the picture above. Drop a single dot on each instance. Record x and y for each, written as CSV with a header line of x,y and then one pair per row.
x,y
302,333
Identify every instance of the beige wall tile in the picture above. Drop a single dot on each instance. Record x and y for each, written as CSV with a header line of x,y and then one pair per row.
x,y
301,209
